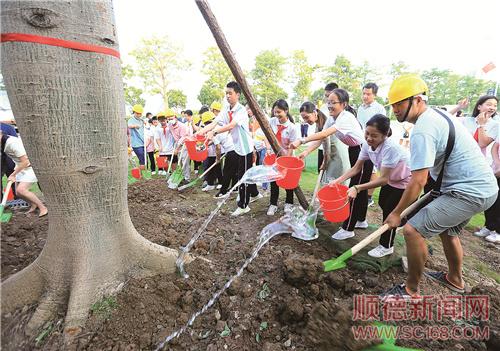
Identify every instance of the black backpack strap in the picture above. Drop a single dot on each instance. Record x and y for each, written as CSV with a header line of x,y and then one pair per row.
x,y
449,147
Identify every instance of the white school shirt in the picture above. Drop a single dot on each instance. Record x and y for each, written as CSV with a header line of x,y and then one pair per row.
x,y
242,138
167,140
288,135
348,128
389,154
225,141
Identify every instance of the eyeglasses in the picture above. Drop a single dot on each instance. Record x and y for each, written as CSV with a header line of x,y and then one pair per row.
x,y
332,103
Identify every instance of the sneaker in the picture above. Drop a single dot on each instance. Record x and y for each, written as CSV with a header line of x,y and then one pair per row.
x,y
398,292
195,171
220,195
361,225
271,211
371,202
208,188
494,237
153,173
288,208
255,198
162,173
483,232
380,251
342,234
204,184
219,186
239,211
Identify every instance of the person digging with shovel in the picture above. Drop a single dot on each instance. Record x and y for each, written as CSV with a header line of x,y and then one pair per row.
x,y
464,185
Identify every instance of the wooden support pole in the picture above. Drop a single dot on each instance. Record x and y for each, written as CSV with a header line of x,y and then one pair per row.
x,y
240,78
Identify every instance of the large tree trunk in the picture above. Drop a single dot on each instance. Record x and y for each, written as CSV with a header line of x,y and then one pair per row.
x,y
69,106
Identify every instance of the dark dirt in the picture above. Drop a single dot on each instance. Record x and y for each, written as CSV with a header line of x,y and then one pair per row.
x,y
282,301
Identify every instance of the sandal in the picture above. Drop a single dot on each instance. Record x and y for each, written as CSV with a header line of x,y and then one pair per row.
x,y
442,278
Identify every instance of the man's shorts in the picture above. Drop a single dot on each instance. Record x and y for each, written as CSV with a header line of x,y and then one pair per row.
x,y
449,212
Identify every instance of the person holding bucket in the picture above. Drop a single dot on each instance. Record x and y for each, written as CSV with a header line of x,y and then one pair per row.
x,y
234,118
392,160
464,186
215,174
347,129
165,141
179,132
283,127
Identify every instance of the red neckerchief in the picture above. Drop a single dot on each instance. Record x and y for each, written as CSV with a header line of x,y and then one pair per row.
x,y
164,130
476,135
230,113
280,130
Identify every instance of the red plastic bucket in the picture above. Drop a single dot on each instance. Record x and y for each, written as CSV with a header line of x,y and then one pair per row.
x,y
333,202
162,162
293,167
269,160
196,147
136,173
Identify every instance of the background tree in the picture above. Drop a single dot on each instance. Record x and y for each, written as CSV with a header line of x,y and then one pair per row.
x,y
399,68
302,76
75,135
159,62
268,73
177,98
218,75
346,75
133,94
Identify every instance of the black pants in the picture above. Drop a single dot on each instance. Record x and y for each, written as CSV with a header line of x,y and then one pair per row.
x,y
388,200
492,214
152,164
320,159
215,174
360,204
196,165
7,168
229,172
275,193
246,190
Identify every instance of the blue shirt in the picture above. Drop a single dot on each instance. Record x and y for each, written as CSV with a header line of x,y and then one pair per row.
x,y
136,134
7,129
365,112
466,170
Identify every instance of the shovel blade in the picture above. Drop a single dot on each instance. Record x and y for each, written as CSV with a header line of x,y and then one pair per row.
x,y
332,265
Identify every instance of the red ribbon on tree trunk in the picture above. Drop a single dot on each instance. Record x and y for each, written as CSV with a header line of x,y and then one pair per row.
x,y
74,45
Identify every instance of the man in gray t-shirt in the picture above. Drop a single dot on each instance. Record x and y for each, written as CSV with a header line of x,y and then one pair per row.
x,y
468,186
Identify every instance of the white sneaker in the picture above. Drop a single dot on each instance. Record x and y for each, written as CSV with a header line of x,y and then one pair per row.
x,y
239,211
288,208
380,251
208,188
371,202
255,198
162,173
219,186
494,237
361,225
271,211
483,232
195,171
153,173
342,234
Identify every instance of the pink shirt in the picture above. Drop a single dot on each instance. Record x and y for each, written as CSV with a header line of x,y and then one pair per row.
x,y
179,132
389,154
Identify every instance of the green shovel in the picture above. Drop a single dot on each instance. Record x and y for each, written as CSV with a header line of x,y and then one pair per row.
x,y
5,217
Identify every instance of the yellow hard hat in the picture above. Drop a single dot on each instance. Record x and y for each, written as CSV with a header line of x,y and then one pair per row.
x,y
207,117
216,106
196,119
169,113
406,86
137,108
160,114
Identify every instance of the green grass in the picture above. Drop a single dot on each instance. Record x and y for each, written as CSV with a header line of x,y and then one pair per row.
x,y
104,307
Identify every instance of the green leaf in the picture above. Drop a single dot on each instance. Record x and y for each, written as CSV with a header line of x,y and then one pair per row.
x,y
225,332
263,326
43,334
257,337
264,292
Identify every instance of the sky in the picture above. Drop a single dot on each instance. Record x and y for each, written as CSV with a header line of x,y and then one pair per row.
x,y
455,35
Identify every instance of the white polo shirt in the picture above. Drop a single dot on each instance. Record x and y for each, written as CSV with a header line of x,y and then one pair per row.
x,y
349,130
242,138
365,112
225,141
167,140
289,133
389,154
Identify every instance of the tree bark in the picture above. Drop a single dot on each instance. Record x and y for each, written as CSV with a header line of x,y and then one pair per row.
x,y
240,77
69,106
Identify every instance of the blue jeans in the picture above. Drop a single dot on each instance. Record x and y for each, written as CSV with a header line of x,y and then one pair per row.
x,y
139,152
